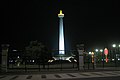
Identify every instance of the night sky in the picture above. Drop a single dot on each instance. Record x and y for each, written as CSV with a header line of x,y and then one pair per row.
x,y
92,22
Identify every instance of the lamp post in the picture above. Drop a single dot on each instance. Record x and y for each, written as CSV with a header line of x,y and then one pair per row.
x,y
96,54
101,50
93,60
114,46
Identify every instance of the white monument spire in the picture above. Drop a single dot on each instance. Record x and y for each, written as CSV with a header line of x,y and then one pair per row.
x,y
61,33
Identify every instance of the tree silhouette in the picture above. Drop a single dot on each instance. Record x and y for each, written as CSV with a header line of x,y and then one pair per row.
x,y
37,51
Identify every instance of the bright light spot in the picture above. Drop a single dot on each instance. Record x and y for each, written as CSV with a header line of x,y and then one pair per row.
x,y
96,50
50,60
10,60
101,50
14,50
90,52
119,45
113,59
33,61
69,60
114,45
75,60
118,59
18,57
102,59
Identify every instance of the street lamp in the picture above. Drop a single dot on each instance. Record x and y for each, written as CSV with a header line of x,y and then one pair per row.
x,y
96,50
114,46
97,55
119,45
90,53
101,50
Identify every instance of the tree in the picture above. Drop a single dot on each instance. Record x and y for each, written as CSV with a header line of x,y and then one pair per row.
x,y
36,50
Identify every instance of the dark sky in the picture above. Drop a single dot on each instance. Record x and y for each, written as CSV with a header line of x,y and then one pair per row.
x,y
92,22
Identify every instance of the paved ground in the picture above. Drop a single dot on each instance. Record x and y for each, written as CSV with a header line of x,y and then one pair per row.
x,y
57,76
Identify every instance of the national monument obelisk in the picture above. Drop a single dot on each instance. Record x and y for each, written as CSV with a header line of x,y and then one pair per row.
x,y
61,34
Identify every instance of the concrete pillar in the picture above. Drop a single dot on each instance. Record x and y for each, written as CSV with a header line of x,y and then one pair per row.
x,y
4,57
81,60
80,49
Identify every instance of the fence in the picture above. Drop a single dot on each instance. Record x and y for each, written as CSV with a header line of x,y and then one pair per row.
x,y
26,63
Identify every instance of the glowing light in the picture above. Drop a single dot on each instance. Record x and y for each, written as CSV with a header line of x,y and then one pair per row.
x,y
75,60
113,59
60,14
50,61
96,50
101,50
90,52
18,57
33,61
114,45
68,58
92,57
106,51
61,33
14,50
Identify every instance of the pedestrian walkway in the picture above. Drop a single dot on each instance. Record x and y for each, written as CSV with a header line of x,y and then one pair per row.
x,y
57,76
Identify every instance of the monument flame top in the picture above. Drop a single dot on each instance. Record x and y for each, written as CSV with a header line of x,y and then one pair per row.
x,y
60,14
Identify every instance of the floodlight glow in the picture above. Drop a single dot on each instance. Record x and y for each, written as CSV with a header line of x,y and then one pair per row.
x,y
61,33
96,50
101,50
119,45
90,52
114,45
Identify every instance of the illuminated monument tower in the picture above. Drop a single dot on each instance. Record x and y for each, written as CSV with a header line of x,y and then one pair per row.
x,y
61,33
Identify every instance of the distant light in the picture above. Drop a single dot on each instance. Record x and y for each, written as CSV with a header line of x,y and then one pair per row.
x,y
90,52
114,45
96,50
50,61
118,59
119,45
102,59
113,59
75,60
18,57
33,61
11,60
14,50
101,50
